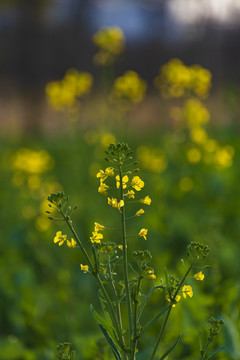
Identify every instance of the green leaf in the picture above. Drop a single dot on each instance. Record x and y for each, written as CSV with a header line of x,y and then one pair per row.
x,y
214,352
146,299
149,323
100,320
110,342
171,348
200,340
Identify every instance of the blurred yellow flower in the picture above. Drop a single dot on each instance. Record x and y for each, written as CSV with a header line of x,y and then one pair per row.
x,y
146,200
129,87
186,184
71,243
84,268
111,43
224,156
140,212
130,194
143,233
151,275
198,135
195,113
194,155
98,227
103,188
187,290
152,159
32,162
199,276
60,238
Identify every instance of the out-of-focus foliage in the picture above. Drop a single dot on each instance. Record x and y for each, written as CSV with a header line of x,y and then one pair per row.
x,y
191,173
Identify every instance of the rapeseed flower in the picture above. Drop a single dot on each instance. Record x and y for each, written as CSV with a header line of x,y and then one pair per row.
x,y
137,183
103,188
84,268
96,237
125,179
130,194
143,233
104,174
114,203
71,243
98,227
146,200
151,275
199,276
60,238
187,290
140,212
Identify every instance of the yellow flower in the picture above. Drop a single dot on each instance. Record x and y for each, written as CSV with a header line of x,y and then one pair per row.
x,y
98,227
71,243
104,174
143,233
140,212
146,200
96,237
103,188
199,276
137,183
84,268
130,194
125,179
151,275
114,203
59,238
177,298
187,290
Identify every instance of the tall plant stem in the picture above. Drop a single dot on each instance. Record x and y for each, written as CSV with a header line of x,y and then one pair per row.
x,y
203,352
135,321
99,281
125,259
170,308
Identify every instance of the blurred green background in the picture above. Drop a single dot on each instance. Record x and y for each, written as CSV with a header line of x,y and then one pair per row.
x,y
182,124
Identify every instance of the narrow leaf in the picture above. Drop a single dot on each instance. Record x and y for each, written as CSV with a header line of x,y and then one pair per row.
x,y
100,320
171,348
146,299
149,323
214,352
110,343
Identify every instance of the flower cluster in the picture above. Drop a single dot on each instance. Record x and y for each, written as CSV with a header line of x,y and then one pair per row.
x,y
175,80
96,235
64,94
129,88
111,43
61,239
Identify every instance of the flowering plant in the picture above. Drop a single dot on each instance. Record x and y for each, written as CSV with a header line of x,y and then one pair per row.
x,y
121,282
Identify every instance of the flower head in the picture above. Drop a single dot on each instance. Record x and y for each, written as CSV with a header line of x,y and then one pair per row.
x,y
59,238
146,200
125,179
137,183
98,227
114,203
140,212
104,174
199,276
96,237
84,268
103,188
71,243
130,194
151,275
143,233
187,290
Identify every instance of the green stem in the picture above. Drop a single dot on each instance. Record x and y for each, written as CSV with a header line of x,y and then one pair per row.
x,y
203,352
135,320
99,281
170,308
125,259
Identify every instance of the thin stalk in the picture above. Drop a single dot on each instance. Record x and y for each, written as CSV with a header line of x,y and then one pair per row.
x,y
118,307
169,310
203,352
135,320
125,259
99,281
